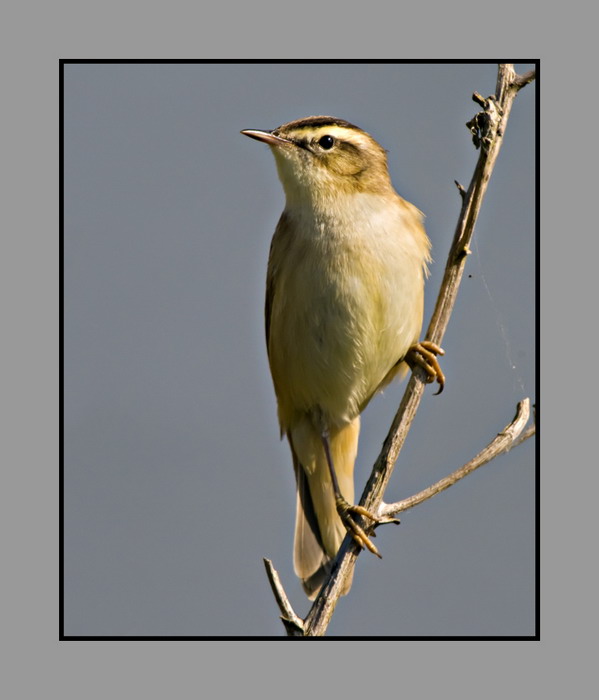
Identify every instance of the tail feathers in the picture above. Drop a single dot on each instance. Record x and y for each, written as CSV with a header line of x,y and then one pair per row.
x,y
313,584
311,563
318,528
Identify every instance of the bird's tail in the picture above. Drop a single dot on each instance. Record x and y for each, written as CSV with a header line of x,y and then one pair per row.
x,y
318,527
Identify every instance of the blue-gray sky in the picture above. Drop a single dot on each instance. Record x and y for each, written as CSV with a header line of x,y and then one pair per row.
x,y
176,484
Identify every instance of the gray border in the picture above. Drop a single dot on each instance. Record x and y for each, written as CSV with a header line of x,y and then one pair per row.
x,y
38,37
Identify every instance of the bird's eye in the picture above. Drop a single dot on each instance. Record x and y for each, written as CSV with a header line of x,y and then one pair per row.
x,y
326,142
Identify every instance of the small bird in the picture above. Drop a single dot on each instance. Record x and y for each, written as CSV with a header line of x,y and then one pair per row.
x,y
344,307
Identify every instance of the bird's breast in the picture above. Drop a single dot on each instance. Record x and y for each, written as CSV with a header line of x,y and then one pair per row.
x,y
347,305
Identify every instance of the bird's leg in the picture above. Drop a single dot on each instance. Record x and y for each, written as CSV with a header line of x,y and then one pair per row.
x,y
348,512
424,354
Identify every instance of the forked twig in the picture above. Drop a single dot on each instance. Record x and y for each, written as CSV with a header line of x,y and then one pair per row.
x,y
293,623
502,443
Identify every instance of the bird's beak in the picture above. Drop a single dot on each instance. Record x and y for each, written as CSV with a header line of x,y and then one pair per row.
x,y
266,136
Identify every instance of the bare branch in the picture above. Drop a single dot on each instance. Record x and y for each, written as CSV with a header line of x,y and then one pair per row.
x,y
293,623
521,80
461,190
502,443
528,433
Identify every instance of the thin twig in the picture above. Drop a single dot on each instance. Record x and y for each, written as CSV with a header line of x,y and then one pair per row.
x,y
502,442
521,80
528,433
461,190
293,623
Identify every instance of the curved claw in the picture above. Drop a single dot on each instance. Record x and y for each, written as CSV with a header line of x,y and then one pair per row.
x,y
424,354
346,512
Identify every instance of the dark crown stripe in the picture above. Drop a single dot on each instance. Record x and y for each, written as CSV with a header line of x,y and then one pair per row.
x,y
312,122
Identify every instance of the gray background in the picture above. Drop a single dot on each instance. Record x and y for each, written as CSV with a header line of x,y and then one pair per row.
x,y
176,484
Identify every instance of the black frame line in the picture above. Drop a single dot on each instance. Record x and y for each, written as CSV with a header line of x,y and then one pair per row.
x,y
265,61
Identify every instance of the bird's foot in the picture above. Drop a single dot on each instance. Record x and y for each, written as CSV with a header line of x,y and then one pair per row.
x,y
348,514
424,354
